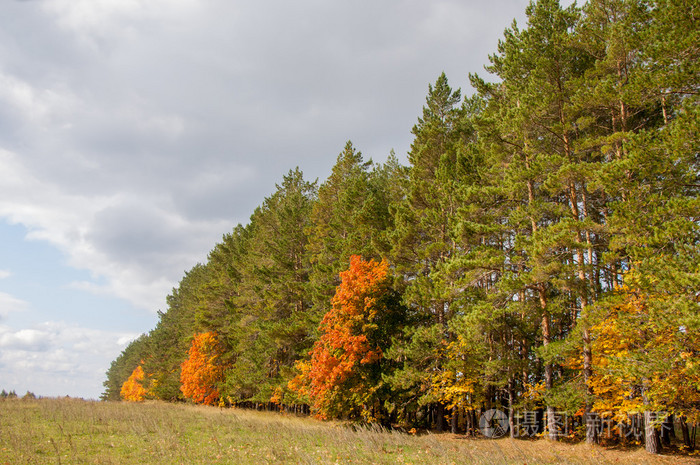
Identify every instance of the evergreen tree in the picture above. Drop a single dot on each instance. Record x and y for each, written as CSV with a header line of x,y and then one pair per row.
x,y
277,320
424,241
168,342
344,221
535,161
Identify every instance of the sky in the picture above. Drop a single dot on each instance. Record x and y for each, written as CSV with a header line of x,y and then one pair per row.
x,y
134,134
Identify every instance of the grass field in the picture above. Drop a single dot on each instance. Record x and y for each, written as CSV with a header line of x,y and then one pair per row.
x,y
70,431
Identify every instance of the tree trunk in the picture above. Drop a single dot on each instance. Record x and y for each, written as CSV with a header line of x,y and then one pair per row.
x,y
511,409
667,431
652,438
686,433
473,422
440,420
552,429
553,432
592,426
622,429
454,420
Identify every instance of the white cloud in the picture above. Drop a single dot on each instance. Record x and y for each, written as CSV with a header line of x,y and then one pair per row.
x,y
24,339
55,359
5,274
9,304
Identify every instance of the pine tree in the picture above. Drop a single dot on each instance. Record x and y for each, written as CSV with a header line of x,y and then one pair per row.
x,y
636,99
169,341
424,240
276,319
344,222
531,139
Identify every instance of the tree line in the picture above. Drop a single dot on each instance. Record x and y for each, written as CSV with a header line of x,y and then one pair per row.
x,y
539,253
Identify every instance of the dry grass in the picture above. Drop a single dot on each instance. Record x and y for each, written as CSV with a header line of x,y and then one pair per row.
x,y
69,431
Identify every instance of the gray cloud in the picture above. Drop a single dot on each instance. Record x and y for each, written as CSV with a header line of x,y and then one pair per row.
x,y
141,235
156,126
133,135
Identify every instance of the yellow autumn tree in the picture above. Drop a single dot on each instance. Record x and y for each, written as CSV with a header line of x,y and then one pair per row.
x,y
646,357
132,389
616,389
458,384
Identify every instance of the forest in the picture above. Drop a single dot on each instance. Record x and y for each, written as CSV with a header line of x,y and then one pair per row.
x,y
539,254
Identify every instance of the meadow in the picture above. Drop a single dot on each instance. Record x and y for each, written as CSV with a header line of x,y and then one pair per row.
x,y
72,431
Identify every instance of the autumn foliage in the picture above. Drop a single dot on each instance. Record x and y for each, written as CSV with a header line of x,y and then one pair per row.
x,y
645,358
132,389
341,377
202,370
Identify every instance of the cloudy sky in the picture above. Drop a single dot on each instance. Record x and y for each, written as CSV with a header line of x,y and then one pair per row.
x,y
135,133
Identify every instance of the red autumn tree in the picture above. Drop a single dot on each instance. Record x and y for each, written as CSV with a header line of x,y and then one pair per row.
x,y
343,377
132,389
202,371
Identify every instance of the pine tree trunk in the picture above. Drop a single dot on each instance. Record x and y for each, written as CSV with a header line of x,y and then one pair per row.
x,y
473,422
667,431
552,429
440,420
591,426
652,438
686,433
548,367
622,430
453,421
511,410
590,418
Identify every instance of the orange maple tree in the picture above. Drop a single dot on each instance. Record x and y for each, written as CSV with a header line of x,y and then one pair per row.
x,y
132,389
342,375
202,370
